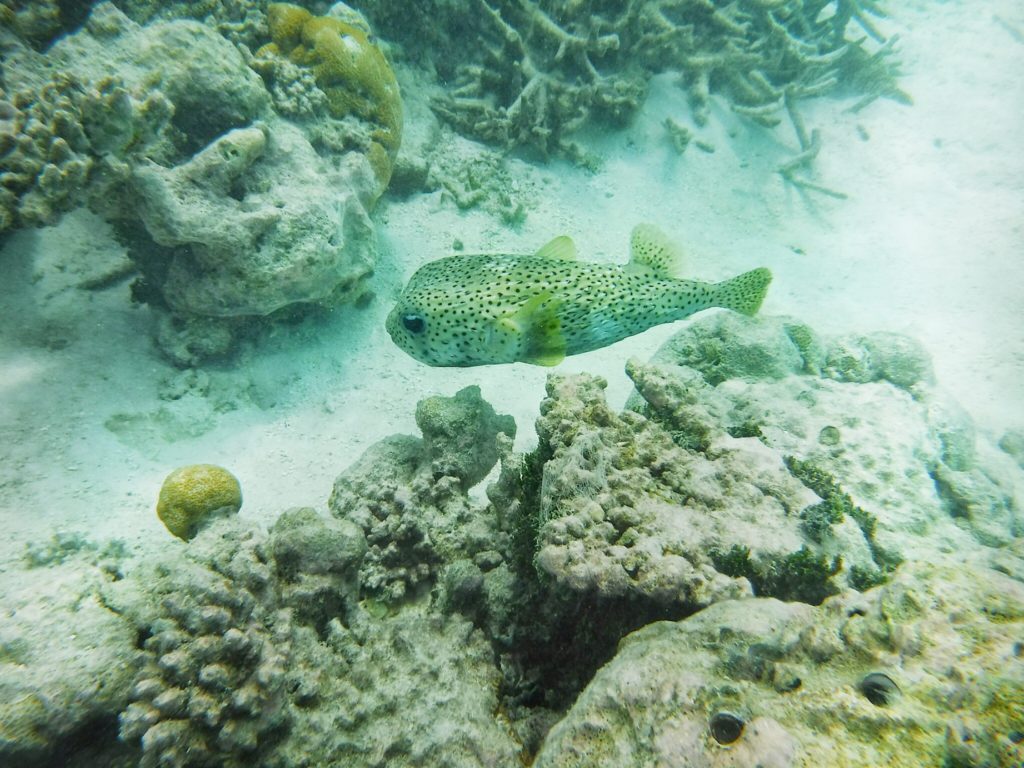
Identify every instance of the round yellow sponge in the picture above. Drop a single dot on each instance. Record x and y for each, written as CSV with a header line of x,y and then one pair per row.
x,y
191,494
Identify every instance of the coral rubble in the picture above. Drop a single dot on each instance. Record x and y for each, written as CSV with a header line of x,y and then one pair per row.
x,y
534,72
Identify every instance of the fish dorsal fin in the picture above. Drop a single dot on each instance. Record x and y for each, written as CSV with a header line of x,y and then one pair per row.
x,y
561,248
539,329
652,253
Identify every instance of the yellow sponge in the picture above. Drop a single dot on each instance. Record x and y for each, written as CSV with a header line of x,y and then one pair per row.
x,y
191,494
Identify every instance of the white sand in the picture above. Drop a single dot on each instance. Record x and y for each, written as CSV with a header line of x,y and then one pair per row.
x,y
929,243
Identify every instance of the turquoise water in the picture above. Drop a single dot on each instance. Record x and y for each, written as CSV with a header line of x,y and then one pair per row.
x,y
790,539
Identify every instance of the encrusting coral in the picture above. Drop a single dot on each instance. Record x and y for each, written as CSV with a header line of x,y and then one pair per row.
x,y
193,494
350,70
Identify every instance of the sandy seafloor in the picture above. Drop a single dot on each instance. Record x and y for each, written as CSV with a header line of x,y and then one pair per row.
x,y
928,243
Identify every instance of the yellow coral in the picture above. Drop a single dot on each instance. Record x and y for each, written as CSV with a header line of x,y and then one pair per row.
x,y
348,68
286,22
191,494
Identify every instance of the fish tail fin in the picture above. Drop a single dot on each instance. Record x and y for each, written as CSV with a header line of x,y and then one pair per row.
x,y
744,293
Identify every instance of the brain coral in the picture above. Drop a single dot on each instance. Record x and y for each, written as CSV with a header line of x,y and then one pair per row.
x,y
191,495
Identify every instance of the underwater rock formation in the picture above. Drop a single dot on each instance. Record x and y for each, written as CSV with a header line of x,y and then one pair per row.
x,y
863,679
66,662
834,406
256,648
614,603
626,512
408,495
227,209
748,464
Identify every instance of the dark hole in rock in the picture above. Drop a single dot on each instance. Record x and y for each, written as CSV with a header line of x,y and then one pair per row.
x,y
879,689
726,727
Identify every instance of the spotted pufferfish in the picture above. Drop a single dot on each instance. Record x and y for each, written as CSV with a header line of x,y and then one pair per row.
x,y
486,309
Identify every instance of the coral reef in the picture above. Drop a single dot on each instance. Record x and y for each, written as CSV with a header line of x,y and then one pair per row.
x,y
538,80
41,21
625,511
908,685
240,21
226,208
257,649
350,71
537,71
213,688
745,466
219,217
408,495
459,435
807,396
58,138
192,495
613,602
465,173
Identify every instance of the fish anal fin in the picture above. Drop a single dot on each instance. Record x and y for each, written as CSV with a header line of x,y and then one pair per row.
x,y
539,329
652,253
561,248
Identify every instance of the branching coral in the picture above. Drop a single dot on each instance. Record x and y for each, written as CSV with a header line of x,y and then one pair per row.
x,y
538,70
539,80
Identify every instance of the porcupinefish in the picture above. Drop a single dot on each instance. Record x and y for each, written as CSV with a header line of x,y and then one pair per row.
x,y
484,309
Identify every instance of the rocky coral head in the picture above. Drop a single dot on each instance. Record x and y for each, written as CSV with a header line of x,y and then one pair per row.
x,y
460,434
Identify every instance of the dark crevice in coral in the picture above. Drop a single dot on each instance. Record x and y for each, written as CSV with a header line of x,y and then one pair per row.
x,y
558,644
952,503
94,743
141,636
73,14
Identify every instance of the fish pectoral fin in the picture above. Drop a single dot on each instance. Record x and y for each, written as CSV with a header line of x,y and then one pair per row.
x,y
652,253
539,329
561,248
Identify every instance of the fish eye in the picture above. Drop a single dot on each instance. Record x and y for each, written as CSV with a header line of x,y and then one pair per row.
x,y
414,323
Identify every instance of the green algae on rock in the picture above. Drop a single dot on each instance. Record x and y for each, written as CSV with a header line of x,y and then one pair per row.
x,y
658,697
